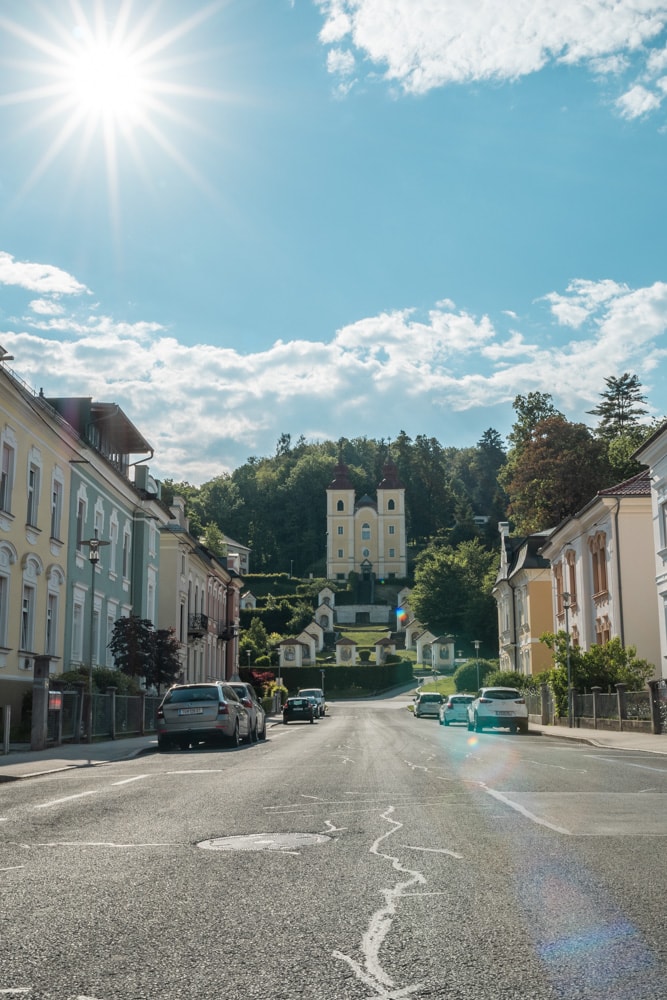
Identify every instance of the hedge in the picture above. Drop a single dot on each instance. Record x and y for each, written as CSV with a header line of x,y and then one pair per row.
x,y
341,680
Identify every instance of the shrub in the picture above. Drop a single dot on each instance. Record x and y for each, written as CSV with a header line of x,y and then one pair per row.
x,y
465,676
511,679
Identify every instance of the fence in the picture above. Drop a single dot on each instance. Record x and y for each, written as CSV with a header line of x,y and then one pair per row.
x,y
113,716
638,711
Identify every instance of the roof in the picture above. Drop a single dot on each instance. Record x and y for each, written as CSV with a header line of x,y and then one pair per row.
x,y
341,479
366,501
636,486
523,552
390,480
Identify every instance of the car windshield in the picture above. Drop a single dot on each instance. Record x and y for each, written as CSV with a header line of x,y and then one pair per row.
x,y
502,695
192,694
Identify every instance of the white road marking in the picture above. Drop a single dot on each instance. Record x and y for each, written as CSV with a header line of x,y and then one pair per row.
x,y
433,850
524,812
345,760
98,843
559,767
68,798
332,828
17,989
202,770
126,781
13,868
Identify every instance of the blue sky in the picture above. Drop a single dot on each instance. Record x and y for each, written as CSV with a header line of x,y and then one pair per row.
x,y
332,218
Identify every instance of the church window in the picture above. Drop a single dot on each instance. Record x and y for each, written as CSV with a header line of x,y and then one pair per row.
x,y
391,505
340,505
340,529
365,531
392,529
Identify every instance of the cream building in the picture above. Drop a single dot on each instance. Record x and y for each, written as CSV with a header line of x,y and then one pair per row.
x,y
653,453
366,536
603,558
523,598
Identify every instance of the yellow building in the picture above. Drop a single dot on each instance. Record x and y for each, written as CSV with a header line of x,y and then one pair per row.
x,y
366,536
36,448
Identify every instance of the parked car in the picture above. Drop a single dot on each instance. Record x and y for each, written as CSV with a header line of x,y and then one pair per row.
x,y
190,713
318,695
428,704
299,710
498,707
455,708
249,700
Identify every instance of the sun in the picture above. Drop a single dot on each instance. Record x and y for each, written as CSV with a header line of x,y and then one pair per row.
x,y
115,79
105,81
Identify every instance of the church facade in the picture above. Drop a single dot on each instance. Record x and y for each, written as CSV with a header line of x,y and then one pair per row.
x,y
366,536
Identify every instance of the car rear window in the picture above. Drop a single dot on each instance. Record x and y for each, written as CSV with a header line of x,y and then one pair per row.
x,y
192,694
502,695
298,702
431,697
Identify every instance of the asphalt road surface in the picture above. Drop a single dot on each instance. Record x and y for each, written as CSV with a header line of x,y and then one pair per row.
x,y
371,855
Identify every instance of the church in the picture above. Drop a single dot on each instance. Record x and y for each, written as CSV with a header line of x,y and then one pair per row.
x,y
366,536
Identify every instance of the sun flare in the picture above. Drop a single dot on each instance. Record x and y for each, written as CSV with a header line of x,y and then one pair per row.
x,y
121,80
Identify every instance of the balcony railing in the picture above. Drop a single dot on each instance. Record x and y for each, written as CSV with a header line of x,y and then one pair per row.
x,y
197,625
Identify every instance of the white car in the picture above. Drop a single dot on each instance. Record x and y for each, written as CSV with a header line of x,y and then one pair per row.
x,y
428,704
498,707
318,695
455,709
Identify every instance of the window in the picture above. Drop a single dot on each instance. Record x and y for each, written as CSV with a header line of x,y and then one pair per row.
x,y
340,529
391,505
365,553
33,495
392,553
392,529
340,553
80,523
56,507
96,637
598,549
7,477
365,531
4,599
340,505
570,559
27,618
113,547
77,630
110,624
126,555
52,624
99,530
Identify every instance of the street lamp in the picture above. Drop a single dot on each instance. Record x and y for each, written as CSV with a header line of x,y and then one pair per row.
x,y
476,643
93,558
567,604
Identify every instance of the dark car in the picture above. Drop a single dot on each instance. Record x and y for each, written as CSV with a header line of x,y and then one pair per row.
x,y
299,710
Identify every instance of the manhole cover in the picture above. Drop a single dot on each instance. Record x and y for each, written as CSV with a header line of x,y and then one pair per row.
x,y
265,842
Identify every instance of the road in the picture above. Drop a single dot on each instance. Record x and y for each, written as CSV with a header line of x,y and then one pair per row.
x,y
368,855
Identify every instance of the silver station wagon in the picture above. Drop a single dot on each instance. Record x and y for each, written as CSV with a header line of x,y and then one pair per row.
x,y
192,713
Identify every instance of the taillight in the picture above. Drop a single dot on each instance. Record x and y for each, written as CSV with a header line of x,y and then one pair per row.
x,y
520,701
160,713
485,701
223,708
246,702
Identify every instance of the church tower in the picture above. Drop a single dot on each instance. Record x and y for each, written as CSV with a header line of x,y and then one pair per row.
x,y
366,536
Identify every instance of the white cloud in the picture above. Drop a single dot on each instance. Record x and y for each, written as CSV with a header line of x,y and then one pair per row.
x,y
422,45
637,101
206,408
42,278
47,307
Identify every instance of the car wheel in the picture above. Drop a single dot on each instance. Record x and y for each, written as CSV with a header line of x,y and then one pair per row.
x,y
478,724
254,735
234,739
184,744
162,744
312,719
262,735
470,725
248,737
445,722
523,727
285,721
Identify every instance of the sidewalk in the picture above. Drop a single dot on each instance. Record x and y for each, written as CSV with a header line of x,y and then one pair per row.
x,y
25,763
610,739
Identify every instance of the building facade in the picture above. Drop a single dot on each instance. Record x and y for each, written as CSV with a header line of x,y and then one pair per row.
x,y
366,536
602,561
523,598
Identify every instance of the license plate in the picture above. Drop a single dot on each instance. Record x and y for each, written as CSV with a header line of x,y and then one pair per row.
x,y
504,713
191,711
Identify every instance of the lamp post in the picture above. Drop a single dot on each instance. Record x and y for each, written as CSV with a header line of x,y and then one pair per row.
x,y
476,643
248,653
567,604
93,558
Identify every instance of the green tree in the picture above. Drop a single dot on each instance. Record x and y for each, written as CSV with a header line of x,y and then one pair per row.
x,y
559,469
620,410
133,646
452,591
465,676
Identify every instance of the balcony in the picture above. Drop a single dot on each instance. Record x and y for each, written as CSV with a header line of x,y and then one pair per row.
x,y
227,631
197,625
